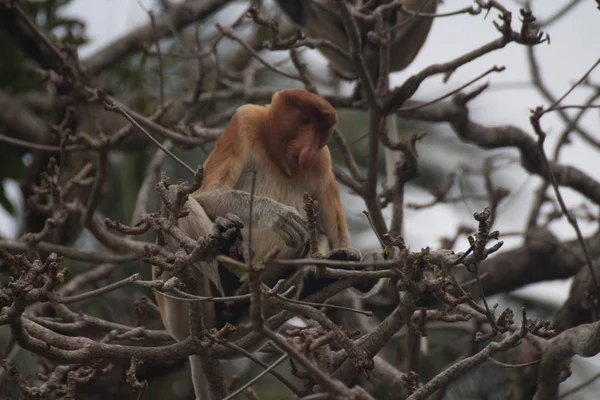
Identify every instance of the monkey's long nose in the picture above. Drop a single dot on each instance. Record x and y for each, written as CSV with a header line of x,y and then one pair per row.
x,y
308,158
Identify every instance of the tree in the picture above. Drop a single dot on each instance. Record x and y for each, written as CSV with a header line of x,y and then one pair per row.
x,y
77,134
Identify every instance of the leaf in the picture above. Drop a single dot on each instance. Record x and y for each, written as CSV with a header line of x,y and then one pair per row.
x,y
5,203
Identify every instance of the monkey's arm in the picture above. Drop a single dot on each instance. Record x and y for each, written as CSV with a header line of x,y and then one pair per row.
x,y
266,213
334,222
332,215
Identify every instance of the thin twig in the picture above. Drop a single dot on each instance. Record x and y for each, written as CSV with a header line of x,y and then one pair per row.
x,y
257,377
145,132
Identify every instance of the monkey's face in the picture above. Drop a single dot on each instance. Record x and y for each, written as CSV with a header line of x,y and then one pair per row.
x,y
304,122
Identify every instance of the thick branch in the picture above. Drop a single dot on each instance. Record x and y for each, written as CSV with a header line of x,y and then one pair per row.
x,y
506,136
541,258
173,20
583,340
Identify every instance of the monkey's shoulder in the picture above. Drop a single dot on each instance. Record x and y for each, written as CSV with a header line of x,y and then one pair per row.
x,y
250,118
243,127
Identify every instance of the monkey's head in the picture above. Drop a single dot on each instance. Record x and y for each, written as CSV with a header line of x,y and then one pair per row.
x,y
301,123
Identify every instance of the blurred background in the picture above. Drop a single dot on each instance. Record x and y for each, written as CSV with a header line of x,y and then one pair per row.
x,y
574,47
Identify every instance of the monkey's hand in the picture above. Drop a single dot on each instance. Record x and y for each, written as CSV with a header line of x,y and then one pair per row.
x,y
227,231
288,224
266,212
344,254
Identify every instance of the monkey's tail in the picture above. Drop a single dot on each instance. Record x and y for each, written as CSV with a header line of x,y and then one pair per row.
x,y
198,378
392,156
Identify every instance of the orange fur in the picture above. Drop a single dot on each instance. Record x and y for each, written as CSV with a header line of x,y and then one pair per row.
x,y
268,140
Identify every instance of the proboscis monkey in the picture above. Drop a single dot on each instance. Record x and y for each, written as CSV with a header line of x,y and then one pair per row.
x,y
321,19
285,144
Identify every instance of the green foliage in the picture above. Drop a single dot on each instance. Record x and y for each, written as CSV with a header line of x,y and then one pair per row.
x,y
47,14
125,178
15,79
11,167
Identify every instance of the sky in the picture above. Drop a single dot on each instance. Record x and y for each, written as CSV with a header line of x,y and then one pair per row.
x,y
573,50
